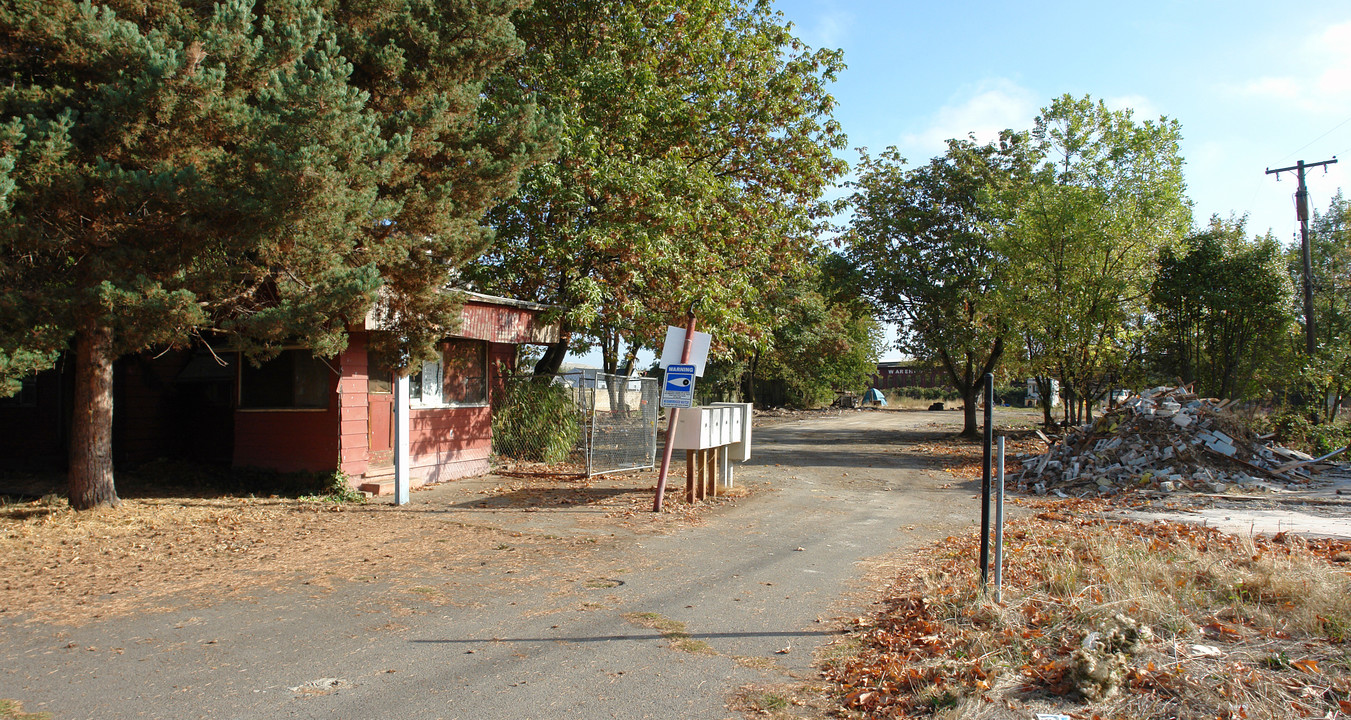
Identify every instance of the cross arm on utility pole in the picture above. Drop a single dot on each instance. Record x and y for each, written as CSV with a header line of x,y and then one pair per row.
x,y
1301,164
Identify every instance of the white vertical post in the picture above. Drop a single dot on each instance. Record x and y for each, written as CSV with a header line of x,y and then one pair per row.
x,y
999,528
401,456
725,460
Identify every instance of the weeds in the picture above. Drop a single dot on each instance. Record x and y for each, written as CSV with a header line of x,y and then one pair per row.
x,y
337,490
13,710
673,631
1117,619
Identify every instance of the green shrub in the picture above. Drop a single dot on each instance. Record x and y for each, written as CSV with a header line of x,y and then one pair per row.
x,y
537,421
1293,430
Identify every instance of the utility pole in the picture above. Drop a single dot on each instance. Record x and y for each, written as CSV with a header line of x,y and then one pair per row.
x,y
1302,210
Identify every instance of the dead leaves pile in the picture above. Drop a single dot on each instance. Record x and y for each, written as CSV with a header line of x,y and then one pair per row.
x,y
1227,640
965,458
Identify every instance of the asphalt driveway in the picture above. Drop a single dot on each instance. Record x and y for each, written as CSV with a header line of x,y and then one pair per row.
x,y
624,622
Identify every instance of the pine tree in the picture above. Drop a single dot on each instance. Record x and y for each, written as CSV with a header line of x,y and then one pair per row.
x,y
259,169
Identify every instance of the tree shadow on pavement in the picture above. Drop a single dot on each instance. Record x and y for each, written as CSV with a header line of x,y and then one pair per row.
x,y
846,447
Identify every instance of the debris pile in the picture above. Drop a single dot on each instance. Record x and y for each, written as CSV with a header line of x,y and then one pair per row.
x,y
1167,439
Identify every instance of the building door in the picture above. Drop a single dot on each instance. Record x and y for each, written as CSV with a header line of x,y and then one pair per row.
x,y
380,406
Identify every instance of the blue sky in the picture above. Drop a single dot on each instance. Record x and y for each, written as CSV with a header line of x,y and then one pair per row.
x,y
1255,85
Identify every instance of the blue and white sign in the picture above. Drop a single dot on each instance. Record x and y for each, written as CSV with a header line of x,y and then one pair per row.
x,y
678,389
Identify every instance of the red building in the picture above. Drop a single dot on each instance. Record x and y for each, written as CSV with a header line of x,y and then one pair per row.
x,y
296,412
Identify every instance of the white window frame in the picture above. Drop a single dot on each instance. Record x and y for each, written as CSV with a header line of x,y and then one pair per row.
x,y
433,393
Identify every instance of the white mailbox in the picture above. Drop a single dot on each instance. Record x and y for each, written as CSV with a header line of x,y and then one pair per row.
x,y
717,425
698,428
739,446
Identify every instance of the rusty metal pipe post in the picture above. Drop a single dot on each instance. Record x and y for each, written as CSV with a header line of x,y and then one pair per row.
x,y
675,415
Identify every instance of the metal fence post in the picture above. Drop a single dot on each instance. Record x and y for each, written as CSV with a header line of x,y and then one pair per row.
x,y
999,528
985,484
591,423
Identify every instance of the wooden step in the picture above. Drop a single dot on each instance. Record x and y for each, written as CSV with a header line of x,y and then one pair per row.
x,y
378,485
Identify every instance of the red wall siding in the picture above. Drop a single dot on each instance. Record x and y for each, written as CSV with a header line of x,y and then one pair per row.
x,y
353,431
450,443
502,324
501,361
289,441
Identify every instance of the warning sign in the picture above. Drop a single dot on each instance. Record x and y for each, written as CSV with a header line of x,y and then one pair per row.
x,y
678,390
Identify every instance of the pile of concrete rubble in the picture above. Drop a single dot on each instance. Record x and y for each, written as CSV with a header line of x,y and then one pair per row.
x,y
1167,439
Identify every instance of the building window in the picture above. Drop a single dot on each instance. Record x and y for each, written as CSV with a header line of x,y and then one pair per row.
x,y
379,378
294,380
459,378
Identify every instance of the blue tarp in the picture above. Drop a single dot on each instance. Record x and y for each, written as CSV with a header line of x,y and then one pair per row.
x,y
874,395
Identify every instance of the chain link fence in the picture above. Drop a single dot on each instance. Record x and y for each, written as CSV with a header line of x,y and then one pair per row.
x,y
575,423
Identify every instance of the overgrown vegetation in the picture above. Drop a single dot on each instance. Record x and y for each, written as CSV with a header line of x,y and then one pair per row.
x,y
1295,430
1112,619
536,420
337,488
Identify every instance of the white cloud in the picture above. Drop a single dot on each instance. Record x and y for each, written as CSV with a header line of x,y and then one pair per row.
x,y
1143,107
827,29
1335,47
1325,87
831,29
983,110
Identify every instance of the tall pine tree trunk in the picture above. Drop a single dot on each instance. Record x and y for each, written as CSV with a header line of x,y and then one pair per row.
x,y
91,431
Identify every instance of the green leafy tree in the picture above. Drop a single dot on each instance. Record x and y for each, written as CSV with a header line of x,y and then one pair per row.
x,y
696,141
1326,375
1107,196
257,169
929,242
824,340
1221,304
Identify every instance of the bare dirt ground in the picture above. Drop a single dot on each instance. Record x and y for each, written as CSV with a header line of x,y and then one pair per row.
x,y
71,568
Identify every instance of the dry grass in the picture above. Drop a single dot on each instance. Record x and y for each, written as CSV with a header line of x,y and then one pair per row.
x,y
63,566
1111,620
672,630
13,710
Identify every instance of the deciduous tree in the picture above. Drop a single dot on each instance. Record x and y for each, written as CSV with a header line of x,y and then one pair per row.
x,y
1327,374
1221,305
1107,197
696,140
930,243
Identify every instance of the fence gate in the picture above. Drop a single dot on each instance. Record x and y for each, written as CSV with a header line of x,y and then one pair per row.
x,y
576,422
622,415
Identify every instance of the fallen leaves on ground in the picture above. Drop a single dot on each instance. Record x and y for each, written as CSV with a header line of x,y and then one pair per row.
x,y
1101,618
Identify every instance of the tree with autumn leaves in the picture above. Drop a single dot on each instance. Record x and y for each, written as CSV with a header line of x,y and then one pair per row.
x,y
696,141
257,170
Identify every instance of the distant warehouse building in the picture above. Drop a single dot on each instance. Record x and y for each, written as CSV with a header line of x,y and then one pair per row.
x,y
907,373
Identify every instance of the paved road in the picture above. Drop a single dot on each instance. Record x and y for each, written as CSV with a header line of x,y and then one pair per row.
x,y
539,642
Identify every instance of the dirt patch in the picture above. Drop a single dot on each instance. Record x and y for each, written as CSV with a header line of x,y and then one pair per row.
x,y
73,567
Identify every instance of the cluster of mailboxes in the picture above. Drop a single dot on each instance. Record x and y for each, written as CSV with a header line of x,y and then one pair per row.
x,y
714,426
